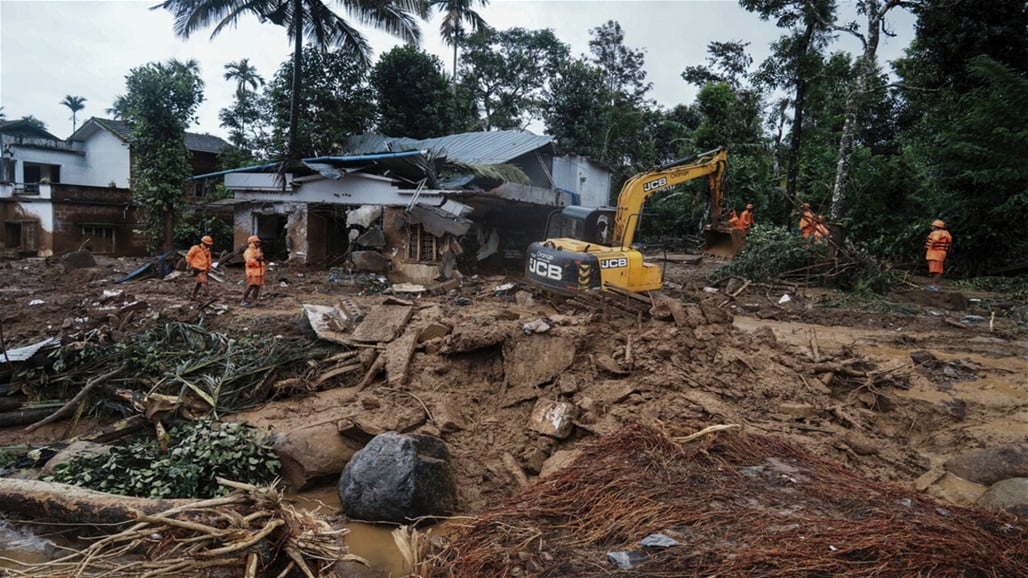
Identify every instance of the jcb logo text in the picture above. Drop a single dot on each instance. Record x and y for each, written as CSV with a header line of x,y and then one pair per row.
x,y
615,263
655,184
543,269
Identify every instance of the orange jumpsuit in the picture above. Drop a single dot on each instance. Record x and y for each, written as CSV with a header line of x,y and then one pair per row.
x,y
199,260
255,266
747,220
936,247
807,223
736,221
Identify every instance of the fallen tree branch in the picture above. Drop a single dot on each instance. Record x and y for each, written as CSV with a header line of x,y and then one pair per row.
x,y
69,407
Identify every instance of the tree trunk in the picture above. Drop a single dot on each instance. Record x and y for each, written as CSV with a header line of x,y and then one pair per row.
x,y
52,501
799,104
865,68
294,101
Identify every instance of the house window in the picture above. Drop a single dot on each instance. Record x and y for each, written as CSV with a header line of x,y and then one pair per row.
x,y
35,173
102,238
421,245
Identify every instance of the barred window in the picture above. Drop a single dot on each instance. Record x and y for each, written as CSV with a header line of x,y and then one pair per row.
x,y
421,245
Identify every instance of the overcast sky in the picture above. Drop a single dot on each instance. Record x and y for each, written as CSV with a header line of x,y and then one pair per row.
x,y
50,49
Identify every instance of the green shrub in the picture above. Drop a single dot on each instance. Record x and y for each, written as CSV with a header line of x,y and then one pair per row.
x,y
769,253
198,454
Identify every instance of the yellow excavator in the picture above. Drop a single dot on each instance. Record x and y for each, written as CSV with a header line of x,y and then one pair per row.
x,y
591,247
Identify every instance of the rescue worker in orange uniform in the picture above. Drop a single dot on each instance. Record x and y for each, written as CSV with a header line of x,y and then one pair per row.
x,y
255,269
198,259
746,218
936,247
736,221
807,221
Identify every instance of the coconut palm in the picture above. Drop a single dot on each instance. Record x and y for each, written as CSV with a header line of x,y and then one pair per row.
x,y
245,76
455,13
75,103
310,19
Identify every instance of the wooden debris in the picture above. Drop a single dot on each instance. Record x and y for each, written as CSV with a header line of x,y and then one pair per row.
x,y
384,322
251,530
397,357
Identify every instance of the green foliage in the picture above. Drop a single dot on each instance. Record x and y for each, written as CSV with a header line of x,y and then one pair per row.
x,y
507,73
198,453
413,95
775,254
195,224
769,253
575,113
337,101
624,68
247,129
1015,288
159,103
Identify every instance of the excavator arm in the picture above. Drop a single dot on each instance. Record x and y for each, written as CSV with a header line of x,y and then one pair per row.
x,y
641,187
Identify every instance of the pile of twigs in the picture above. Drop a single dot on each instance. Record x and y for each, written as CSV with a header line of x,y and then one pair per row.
x,y
250,532
739,505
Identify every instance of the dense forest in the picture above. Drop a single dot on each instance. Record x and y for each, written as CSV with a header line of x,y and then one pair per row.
x,y
882,149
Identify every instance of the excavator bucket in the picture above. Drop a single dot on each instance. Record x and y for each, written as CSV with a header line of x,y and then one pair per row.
x,y
724,242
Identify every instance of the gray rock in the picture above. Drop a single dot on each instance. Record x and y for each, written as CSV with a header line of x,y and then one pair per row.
x,y
991,465
624,560
658,542
399,477
1010,495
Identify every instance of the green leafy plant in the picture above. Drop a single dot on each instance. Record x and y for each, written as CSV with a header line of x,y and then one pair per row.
x,y
769,254
197,455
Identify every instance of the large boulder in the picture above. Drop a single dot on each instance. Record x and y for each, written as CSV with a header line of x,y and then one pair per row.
x,y
1010,495
398,477
991,465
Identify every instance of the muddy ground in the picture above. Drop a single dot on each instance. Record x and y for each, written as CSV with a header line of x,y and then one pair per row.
x,y
889,394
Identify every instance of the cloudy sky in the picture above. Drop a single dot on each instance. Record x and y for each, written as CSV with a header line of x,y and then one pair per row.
x,y
50,49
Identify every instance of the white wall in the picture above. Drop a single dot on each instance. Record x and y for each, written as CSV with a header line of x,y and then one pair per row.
x,y
582,176
107,160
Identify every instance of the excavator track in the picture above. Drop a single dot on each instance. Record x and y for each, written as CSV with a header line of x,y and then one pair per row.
x,y
616,301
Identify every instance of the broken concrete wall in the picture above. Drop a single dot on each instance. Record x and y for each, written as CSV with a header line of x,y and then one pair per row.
x,y
103,216
282,227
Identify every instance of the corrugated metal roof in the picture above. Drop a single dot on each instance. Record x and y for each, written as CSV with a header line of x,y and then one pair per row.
x,y
486,148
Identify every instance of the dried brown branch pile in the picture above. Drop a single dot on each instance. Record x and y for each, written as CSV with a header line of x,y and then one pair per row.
x,y
740,505
250,532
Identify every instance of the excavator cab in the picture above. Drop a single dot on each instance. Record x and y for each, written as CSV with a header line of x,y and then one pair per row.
x,y
587,224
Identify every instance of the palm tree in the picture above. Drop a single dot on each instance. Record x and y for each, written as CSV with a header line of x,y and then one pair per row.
x,y
245,75
455,12
75,103
310,19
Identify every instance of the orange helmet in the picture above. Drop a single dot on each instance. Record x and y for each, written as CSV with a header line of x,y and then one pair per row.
x,y
938,223
207,240
749,205
253,239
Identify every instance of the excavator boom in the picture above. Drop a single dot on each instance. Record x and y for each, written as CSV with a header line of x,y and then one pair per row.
x,y
642,186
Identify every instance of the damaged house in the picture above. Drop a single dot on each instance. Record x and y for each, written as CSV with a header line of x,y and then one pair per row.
x,y
394,204
58,195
